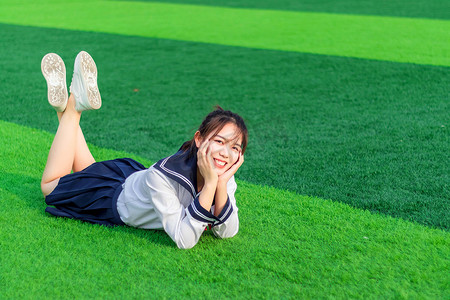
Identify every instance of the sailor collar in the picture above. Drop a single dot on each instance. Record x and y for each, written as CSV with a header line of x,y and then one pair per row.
x,y
182,168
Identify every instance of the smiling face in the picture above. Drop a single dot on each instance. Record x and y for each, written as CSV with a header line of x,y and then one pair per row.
x,y
225,147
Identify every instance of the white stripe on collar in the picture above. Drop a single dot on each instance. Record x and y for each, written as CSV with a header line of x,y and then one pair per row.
x,y
177,175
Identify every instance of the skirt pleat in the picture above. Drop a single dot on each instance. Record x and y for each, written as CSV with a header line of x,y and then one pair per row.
x,y
91,195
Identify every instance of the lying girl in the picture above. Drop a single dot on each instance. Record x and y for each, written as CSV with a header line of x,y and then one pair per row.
x,y
181,194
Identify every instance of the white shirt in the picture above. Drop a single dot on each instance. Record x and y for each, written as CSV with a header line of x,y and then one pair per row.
x,y
162,197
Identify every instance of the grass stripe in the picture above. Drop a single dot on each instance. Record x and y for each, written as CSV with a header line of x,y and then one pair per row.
x,y
435,9
420,41
309,246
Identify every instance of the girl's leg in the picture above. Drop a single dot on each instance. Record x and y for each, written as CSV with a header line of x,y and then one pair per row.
x,y
69,150
85,90
62,152
83,157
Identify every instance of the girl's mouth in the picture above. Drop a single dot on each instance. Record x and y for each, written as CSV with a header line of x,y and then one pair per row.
x,y
219,163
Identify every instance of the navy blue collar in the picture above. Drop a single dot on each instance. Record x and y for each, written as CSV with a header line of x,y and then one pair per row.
x,y
182,168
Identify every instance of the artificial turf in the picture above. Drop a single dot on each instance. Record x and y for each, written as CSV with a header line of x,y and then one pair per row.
x,y
422,41
289,246
372,134
433,9
369,133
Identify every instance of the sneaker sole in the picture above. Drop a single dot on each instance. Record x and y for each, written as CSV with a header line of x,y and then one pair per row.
x,y
54,71
88,71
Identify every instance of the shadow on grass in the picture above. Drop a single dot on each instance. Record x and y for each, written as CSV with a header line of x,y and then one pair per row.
x,y
27,189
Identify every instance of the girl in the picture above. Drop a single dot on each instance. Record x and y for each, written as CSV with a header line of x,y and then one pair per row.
x,y
181,194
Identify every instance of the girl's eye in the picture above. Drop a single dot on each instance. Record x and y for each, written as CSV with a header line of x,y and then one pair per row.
x,y
236,149
219,141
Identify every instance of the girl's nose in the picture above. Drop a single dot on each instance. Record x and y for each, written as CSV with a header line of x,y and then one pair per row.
x,y
224,152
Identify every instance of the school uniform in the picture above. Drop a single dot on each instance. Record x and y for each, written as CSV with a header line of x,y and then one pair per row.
x,y
164,196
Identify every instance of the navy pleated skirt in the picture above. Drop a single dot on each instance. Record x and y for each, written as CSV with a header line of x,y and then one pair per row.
x,y
91,195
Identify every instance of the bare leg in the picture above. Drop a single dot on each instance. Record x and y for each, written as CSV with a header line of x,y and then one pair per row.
x,y
62,152
83,156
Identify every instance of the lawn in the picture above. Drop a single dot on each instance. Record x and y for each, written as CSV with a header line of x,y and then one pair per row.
x,y
344,192
288,246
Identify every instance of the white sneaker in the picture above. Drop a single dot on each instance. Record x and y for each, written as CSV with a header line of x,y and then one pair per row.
x,y
84,83
54,72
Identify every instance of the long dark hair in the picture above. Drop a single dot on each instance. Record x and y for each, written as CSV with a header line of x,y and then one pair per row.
x,y
214,122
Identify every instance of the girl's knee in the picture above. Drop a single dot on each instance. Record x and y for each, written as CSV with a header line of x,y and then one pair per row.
x,y
48,187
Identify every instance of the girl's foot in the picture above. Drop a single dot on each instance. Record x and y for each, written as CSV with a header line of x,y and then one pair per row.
x,y
54,72
84,83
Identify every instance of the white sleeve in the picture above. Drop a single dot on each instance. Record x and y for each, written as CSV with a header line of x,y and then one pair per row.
x,y
228,225
183,225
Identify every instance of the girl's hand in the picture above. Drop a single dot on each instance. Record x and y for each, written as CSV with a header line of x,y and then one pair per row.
x,y
205,162
223,179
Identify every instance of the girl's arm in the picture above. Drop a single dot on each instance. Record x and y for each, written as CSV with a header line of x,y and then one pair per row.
x,y
225,208
229,225
183,225
221,191
210,178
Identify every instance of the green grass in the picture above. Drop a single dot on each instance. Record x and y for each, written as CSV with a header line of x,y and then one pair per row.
x,y
342,150
367,133
421,41
308,246
435,9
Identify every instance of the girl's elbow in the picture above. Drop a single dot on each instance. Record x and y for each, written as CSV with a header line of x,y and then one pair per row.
x,y
186,241
185,246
